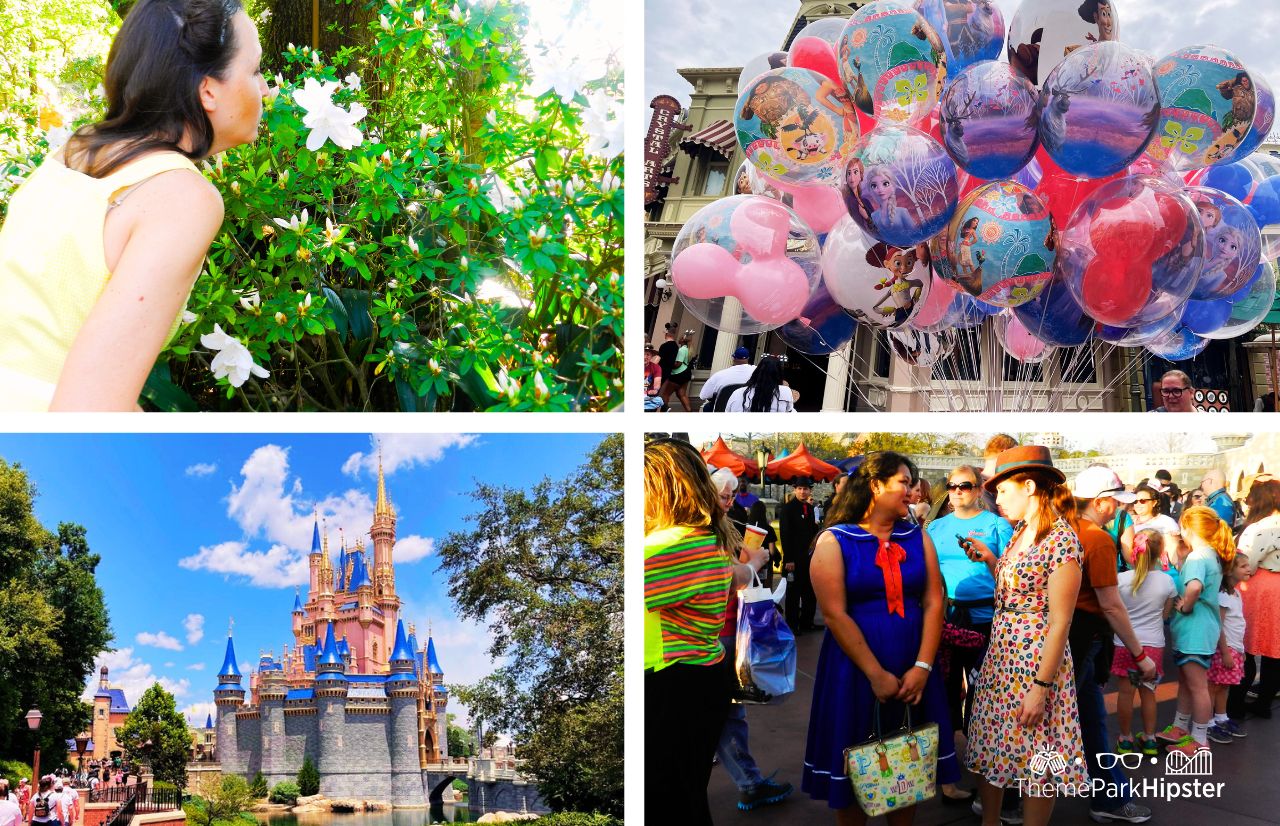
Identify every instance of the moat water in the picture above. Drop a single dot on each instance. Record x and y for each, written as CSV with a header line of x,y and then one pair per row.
x,y
450,813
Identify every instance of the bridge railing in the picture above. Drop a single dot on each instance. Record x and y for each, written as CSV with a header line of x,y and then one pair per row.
x,y
143,798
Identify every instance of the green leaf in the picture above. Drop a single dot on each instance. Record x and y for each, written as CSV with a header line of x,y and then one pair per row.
x,y
338,312
357,304
163,394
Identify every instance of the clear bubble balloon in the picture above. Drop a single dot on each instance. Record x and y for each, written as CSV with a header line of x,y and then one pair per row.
x,y
1138,336
921,349
1207,107
1043,32
815,47
822,327
881,286
972,30
758,65
1003,244
1054,316
900,186
1018,342
820,206
1264,117
892,61
1248,306
795,125
745,264
988,120
1180,344
1233,243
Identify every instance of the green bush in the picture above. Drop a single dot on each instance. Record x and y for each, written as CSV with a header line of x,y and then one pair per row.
x,y
461,786
13,771
578,819
285,791
258,788
308,778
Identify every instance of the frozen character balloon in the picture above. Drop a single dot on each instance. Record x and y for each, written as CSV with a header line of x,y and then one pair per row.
x,y
972,30
988,119
1233,243
900,186
881,191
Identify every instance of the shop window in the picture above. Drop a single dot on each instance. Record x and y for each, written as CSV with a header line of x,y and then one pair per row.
x,y
717,175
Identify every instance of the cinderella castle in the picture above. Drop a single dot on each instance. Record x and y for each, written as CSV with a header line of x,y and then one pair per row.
x,y
355,693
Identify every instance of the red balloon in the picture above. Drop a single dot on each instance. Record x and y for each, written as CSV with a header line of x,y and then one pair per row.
x,y
1173,224
1061,191
1123,227
816,54
1114,288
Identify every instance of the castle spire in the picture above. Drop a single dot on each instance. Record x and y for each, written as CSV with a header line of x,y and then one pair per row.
x,y
433,664
229,667
402,655
329,659
315,533
297,600
383,507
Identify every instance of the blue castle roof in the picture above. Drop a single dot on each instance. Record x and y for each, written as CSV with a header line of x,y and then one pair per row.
x,y
297,603
300,694
402,653
359,574
432,662
342,569
315,537
330,659
119,705
309,657
208,721
344,648
229,667
417,664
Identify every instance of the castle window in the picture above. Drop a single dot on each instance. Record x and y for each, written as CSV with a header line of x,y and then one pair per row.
x,y
375,650
102,712
716,176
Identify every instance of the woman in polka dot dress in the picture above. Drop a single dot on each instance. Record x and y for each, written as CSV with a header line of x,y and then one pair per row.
x,y
1025,719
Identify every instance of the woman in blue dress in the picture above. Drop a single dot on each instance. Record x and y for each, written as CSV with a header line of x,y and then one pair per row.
x,y
877,582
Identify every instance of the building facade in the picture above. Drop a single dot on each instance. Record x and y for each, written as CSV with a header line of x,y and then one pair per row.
x,y
355,693
865,374
110,708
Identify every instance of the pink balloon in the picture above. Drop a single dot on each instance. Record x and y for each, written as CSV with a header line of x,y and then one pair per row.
x,y
936,303
1020,343
704,271
816,54
761,227
818,205
773,290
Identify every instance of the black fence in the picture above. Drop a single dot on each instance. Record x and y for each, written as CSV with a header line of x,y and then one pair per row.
x,y
142,799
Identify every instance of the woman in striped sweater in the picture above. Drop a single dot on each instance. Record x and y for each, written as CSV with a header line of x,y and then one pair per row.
x,y
689,568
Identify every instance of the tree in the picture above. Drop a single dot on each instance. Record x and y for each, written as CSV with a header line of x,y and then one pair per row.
x,y
155,733
460,740
308,778
53,622
223,802
936,444
544,568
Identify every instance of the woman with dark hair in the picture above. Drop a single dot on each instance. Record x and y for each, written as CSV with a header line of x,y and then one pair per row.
x,y
690,549
677,381
1027,676
105,239
877,582
764,392
1260,542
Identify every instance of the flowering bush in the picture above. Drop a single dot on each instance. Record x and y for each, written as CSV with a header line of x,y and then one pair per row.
x,y
416,228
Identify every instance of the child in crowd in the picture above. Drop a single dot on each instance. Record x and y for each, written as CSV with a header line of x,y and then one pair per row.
x,y
1196,626
1228,661
1148,594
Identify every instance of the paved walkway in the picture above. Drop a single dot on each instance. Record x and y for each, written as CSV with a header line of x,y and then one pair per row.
x,y
1248,767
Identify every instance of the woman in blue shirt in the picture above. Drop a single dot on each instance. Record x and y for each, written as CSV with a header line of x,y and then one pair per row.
x,y
970,586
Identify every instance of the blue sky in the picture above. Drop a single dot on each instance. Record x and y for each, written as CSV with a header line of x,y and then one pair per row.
x,y
193,529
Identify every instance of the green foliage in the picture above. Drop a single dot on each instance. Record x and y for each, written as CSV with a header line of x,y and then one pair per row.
x,y
53,622
13,771
578,819
223,802
555,581
285,792
461,741
258,788
308,778
934,444
461,786
155,733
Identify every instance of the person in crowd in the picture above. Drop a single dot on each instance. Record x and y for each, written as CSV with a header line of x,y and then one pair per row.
x,y
797,527
1025,695
970,587
1148,594
1169,493
689,568
1099,614
921,502
1196,626
1260,542
1121,530
754,789
1214,488
877,580
764,392
1226,670
1147,515
676,380
669,347
749,509
10,811
1177,395
996,445
733,376
24,793
44,804
652,371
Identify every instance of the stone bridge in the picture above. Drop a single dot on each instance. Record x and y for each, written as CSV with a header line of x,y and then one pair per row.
x,y
493,785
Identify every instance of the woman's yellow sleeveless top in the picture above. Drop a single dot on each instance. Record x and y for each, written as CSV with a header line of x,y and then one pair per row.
x,y
53,269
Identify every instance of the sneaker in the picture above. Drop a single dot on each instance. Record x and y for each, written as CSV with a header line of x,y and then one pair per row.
x,y
1150,746
1012,817
1172,734
765,793
1129,813
1235,729
1125,745
1188,746
1218,734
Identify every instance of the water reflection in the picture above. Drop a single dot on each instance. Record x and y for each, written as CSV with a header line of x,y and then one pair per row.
x,y
450,813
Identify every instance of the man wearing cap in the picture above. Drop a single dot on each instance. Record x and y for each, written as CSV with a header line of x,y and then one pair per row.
x,y
730,377
797,528
1099,613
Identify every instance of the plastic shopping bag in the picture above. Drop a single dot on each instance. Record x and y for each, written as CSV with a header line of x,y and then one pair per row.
x,y
766,648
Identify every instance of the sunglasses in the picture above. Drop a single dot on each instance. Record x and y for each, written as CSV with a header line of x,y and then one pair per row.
x,y
963,486
1147,501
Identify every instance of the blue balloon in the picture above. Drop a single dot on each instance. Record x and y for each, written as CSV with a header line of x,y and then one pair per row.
x,y
822,327
1266,202
1243,292
1203,317
1054,317
1232,179
1179,345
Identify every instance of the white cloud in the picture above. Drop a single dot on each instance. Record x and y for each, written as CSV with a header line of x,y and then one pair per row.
x,y
201,469
413,548
196,667
169,665
278,567
131,675
194,623
197,713
158,640
405,450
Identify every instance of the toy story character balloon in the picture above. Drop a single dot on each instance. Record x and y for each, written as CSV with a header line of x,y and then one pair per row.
x,y
892,61
881,286
1208,103
1043,32
795,125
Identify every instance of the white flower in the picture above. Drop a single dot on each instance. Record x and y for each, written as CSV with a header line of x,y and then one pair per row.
x,y
249,299
188,316
506,385
56,137
295,223
564,78
233,360
605,132
326,120
386,24
609,182
353,81
540,386
418,16
413,245
455,14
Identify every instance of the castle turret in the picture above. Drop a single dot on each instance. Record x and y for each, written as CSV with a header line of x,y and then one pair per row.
x,y
343,567
315,558
271,694
437,698
331,701
228,697
402,695
298,615
383,533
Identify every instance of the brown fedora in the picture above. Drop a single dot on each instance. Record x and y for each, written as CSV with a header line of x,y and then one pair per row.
x,y
1023,458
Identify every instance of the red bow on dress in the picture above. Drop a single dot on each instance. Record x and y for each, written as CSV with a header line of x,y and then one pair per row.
x,y
887,558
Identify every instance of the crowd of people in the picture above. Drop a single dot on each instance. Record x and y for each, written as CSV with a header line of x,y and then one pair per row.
x,y
55,802
1015,596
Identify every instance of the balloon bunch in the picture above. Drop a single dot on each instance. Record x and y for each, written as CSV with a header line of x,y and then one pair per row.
x,y
898,176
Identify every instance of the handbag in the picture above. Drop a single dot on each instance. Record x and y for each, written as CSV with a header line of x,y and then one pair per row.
x,y
765,659
894,773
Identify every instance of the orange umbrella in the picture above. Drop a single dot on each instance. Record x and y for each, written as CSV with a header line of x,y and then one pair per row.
x,y
721,456
798,464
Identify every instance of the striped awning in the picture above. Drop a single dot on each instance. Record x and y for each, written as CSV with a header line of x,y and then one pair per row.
x,y
719,137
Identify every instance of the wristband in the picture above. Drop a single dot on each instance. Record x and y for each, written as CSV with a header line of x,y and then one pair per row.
x,y
1041,683
924,665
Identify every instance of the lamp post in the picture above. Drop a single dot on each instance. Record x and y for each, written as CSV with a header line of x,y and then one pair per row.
x,y
33,722
82,743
